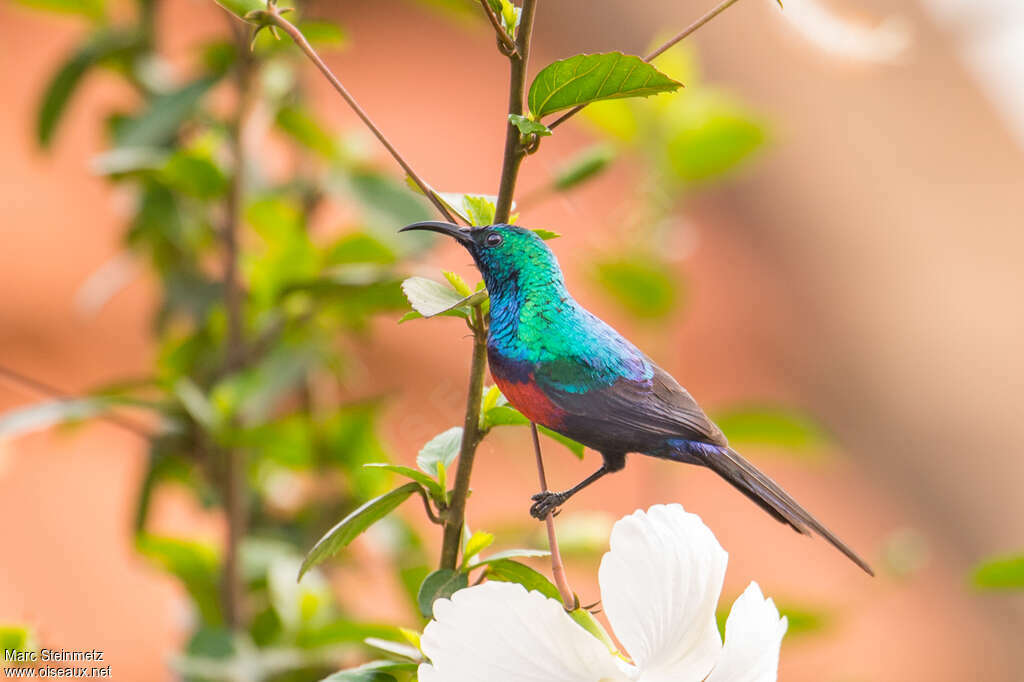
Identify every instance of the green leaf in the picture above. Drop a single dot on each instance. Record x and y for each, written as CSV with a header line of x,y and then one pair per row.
x,y
426,481
587,78
300,124
441,449
442,583
586,620
527,126
194,174
430,298
479,209
159,123
92,9
457,283
241,8
710,134
1003,573
400,649
195,564
509,571
645,287
358,675
354,524
16,638
378,667
477,543
101,46
322,33
506,415
547,234
510,554
771,426
584,166
23,420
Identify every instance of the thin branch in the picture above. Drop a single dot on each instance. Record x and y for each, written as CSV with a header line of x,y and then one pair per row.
x,y
682,35
434,518
455,514
236,508
514,150
274,17
508,46
557,567
51,391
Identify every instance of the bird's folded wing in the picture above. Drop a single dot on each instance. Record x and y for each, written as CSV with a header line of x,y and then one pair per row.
x,y
657,407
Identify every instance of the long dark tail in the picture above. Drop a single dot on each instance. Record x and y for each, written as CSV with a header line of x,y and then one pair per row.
x,y
746,478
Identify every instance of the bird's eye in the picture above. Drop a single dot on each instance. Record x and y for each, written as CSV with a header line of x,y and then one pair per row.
x,y
493,239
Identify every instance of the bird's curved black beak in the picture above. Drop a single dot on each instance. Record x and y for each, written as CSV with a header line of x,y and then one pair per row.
x,y
450,229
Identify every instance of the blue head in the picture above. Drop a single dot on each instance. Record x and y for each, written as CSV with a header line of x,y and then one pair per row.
x,y
512,259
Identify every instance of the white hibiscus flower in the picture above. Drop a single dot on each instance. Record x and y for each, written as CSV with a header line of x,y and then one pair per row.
x,y
660,584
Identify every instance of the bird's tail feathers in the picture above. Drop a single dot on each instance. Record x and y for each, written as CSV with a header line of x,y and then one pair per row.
x,y
746,478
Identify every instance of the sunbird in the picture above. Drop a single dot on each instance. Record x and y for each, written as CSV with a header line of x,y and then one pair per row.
x,y
566,369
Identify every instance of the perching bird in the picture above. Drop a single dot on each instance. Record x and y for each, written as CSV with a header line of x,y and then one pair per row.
x,y
565,369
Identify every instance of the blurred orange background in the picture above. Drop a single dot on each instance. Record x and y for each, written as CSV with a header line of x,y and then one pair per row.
x,y
865,268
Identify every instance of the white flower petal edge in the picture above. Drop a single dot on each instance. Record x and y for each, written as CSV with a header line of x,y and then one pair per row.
x,y
753,635
659,586
499,631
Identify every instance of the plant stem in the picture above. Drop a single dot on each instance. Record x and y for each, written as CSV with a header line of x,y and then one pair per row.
x,y
718,9
273,16
455,515
557,567
234,458
51,391
514,151
508,46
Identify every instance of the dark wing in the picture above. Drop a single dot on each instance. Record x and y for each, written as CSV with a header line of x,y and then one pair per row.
x,y
633,414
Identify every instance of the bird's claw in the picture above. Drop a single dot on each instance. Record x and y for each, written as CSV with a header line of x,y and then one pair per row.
x,y
545,503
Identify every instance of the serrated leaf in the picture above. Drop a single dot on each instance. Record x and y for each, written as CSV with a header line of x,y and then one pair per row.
x,y
587,78
432,486
772,426
430,298
442,583
509,571
442,450
527,126
584,166
457,283
479,209
477,543
101,46
546,234
1003,573
349,528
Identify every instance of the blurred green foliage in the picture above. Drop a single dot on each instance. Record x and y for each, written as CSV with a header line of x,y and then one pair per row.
x,y
243,358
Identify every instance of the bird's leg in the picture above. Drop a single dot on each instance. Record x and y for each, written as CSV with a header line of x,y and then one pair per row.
x,y
547,501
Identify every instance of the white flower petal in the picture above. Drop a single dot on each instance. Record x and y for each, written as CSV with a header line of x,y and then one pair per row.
x,y
753,635
659,586
499,631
